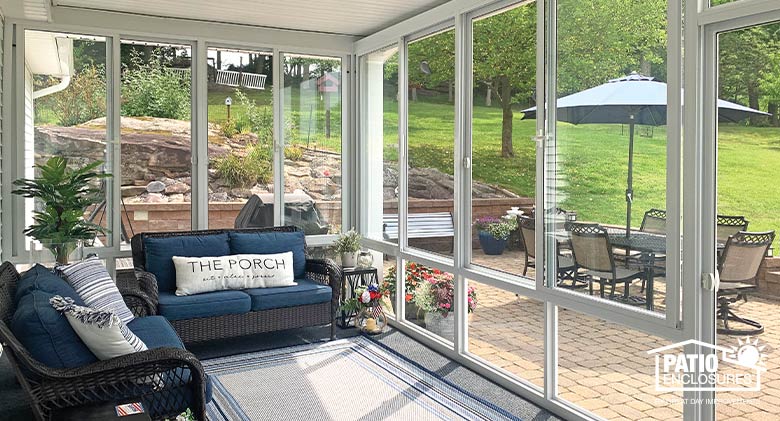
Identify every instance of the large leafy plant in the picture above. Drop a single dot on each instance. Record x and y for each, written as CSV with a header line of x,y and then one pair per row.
x,y
64,194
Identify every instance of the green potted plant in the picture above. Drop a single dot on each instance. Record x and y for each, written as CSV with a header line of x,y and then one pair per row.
x,y
348,245
494,233
63,195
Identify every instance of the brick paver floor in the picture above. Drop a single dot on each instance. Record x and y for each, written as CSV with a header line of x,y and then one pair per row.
x,y
604,367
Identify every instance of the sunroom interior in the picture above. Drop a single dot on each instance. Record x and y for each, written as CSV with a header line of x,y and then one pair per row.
x,y
543,216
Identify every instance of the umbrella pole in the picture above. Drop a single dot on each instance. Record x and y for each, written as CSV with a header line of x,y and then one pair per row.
x,y
630,181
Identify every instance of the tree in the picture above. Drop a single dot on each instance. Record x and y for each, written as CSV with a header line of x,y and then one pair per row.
x,y
438,53
505,60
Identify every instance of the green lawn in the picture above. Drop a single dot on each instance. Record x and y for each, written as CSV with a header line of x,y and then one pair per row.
x,y
594,163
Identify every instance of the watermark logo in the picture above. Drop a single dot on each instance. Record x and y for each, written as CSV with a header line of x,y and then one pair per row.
x,y
709,367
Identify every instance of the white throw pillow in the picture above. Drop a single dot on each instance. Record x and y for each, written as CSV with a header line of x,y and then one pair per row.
x,y
101,331
195,275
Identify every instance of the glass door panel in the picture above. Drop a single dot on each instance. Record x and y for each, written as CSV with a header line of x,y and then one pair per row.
x,y
746,219
503,169
156,146
431,144
606,165
241,134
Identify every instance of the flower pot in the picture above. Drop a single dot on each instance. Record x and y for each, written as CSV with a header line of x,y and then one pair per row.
x,y
349,260
491,245
410,309
440,325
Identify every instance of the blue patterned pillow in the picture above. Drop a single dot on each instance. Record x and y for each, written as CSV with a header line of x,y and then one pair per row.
x,y
95,287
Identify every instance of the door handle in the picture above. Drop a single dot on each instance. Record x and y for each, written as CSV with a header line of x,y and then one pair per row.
x,y
710,281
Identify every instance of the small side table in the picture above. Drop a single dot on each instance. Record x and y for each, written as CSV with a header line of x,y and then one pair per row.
x,y
354,277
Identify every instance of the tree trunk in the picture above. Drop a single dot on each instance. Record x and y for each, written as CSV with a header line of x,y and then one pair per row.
x,y
644,67
414,94
306,71
219,60
506,124
753,96
489,97
774,119
450,89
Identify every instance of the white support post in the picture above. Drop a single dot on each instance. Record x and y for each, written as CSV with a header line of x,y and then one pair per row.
x,y
462,191
8,142
200,140
279,99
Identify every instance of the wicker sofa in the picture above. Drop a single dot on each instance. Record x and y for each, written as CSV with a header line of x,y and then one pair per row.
x,y
56,370
225,314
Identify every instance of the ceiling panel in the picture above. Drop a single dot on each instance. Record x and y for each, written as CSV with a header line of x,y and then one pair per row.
x,y
352,17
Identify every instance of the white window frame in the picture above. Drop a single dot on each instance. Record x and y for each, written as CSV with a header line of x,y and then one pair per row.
x,y
116,27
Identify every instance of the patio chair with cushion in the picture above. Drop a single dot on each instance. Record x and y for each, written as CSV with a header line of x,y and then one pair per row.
x,y
566,269
592,252
738,269
730,225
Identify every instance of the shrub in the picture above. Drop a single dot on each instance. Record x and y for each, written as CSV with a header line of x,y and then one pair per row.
x,y
151,90
258,120
228,128
244,171
83,100
500,228
293,153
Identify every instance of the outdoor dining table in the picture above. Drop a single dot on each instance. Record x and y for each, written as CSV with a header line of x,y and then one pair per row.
x,y
649,245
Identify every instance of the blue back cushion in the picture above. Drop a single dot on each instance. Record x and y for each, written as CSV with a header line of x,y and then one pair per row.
x,y
40,278
272,242
160,251
46,333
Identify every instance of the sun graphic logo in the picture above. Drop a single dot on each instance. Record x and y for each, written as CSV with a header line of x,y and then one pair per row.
x,y
699,366
747,353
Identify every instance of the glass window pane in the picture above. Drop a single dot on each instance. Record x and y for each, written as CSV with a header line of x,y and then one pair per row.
x,y
749,75
241,136
606,166
312,138
379,184
65,110
503,159
605,368
431,145
507,331
156,137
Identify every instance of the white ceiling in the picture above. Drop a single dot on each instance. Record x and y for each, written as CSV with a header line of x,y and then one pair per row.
x,y
351,17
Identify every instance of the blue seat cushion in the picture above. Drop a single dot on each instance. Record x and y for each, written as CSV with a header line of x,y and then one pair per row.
x,y
156,332
39,278
160,251
209,304
270,243
46,333
305,292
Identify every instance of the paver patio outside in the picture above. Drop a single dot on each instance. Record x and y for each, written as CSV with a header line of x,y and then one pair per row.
x,y
604,367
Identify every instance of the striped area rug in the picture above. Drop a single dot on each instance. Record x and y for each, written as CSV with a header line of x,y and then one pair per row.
x,y
347,379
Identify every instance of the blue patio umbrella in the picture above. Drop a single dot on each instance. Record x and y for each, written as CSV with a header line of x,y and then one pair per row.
x,y
632,99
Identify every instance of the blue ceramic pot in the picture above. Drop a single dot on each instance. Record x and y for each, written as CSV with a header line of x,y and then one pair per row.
x,y
491,245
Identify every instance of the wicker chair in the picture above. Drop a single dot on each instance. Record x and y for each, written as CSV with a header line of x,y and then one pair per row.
x,y
592,252
729,225
566,268
323,271
51,389
738,268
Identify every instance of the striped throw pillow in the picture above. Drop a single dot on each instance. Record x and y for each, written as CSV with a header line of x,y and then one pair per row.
x,y
94,285
101,331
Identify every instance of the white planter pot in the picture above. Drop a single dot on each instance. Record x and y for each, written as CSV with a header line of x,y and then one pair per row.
x,y
349,260
440,325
